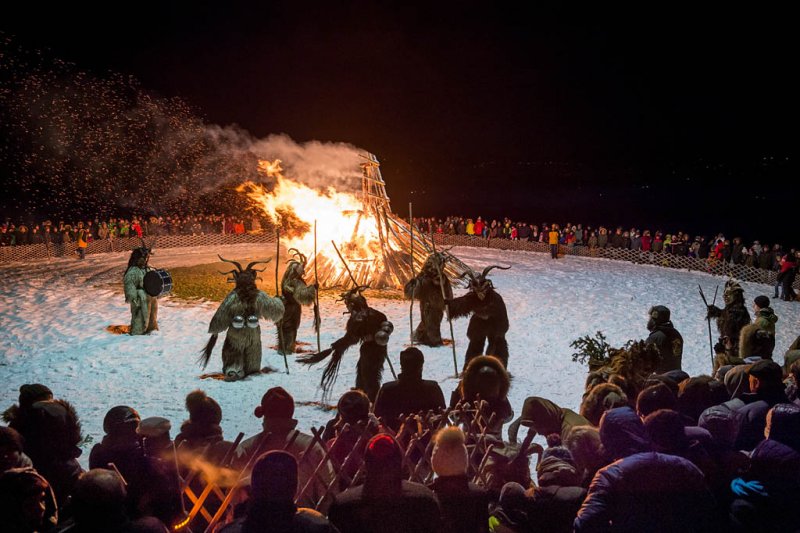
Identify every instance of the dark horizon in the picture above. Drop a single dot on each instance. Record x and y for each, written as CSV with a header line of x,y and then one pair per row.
x,y
486,110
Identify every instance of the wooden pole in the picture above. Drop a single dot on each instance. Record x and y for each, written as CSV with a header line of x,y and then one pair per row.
x,y
317,319
413,275
447,305
278,294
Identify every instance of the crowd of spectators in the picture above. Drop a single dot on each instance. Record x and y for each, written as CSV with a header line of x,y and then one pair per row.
x,y
734,251
657,452
50,232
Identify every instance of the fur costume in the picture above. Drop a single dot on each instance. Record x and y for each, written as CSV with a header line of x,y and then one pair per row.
x,y
733,318
144,308
239,314
428,290
629,368
485,378
489,319
295,293
366,326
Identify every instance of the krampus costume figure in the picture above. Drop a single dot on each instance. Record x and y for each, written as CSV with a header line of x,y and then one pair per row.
x,y
428,290
239,314
732,319
295,293
372,330
489,319
144,308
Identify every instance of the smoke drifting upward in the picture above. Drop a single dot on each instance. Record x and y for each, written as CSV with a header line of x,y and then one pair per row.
x,y
81,145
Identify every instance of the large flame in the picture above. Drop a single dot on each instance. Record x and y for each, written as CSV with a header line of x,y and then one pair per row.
x,y
340,217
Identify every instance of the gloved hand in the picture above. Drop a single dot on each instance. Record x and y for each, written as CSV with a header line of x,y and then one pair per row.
x,y
740,487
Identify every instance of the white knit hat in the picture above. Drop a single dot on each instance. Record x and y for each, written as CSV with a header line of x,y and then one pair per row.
x,y
450,453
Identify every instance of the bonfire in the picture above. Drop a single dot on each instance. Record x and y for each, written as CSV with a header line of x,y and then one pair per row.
x,y
374,242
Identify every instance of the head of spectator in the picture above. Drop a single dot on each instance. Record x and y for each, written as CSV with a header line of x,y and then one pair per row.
x,y
205,416
54,433
383,465
26,501
723,424
655,379
586,448
277,409
736,381
622,433
600,399
783,425
411,363
450,456
666,430
766,381
697,394
120,424
11,450
353,407
760,302
653,398
98,501
18,415
557,468
154,432
755,342
274,479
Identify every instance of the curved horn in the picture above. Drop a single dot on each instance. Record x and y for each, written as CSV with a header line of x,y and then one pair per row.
x,y
229,272
469,273
489,269
295,252
250,266
235,263
362,287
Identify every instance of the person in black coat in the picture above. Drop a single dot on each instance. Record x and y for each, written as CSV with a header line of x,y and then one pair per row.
x,y
385,503
410,393
666,338
464,506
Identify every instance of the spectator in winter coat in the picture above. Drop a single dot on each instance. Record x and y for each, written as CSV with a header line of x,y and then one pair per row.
x,y
765,317
410,393
647,491
202,429
486,379
271,505
463,505
277,410
27,503
583,442
697,394
658,243
666,338
767,495
767,390
12,450
385,503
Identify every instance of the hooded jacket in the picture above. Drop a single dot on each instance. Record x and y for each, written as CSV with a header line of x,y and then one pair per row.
x,y
766,319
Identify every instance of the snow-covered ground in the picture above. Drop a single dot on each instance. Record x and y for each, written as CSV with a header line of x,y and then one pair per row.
x,y
53,318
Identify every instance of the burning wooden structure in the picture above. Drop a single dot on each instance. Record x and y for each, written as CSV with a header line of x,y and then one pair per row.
x,y
383,259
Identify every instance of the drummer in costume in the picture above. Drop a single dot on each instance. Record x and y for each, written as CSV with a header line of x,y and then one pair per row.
x,y
144,308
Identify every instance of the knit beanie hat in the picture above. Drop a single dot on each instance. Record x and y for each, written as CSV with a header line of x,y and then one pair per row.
x,y
30,393
153,427
274,476
382,452
276,403
450,456
761,301
353,406
203,409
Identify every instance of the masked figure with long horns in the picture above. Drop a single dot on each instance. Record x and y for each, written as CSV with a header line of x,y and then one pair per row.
x,y
144,308
427,288
295,293
239,314
366,326
489,319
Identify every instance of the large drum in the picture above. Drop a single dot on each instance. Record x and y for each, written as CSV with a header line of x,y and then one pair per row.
x,y
157,282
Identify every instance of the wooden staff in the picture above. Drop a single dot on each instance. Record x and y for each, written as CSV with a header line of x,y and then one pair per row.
x,y
391,367
710,342
278,294
447,305
317,319
413,275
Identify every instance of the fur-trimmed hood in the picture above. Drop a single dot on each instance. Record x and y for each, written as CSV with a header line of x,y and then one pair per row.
x,y
600,399
53,430
480,371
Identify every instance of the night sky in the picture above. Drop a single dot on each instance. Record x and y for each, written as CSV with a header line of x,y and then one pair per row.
x,y
640,119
